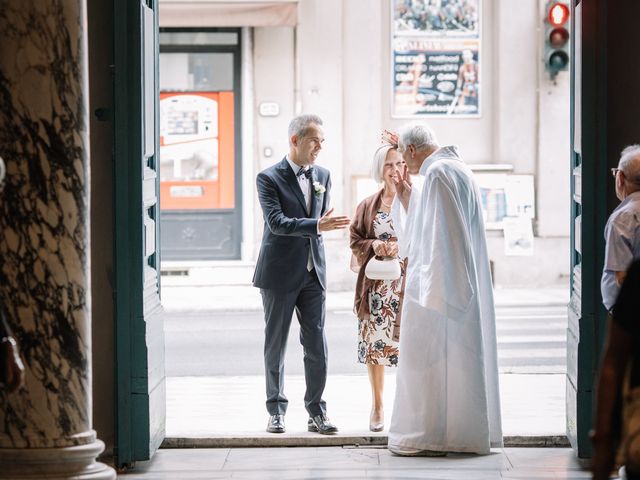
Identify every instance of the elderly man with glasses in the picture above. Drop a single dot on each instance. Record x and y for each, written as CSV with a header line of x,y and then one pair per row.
x,y
622,233
618,393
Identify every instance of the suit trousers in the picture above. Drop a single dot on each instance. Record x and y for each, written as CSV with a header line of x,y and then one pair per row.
x,y
308,301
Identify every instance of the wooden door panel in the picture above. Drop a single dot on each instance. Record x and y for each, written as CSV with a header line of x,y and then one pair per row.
x,y
141,396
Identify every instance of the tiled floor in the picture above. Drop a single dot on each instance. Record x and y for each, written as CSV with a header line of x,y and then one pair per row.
x,y
356,463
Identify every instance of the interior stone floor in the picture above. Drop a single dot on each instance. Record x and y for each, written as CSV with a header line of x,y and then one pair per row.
x,y
356,463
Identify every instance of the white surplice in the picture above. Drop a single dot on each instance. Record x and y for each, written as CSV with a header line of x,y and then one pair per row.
x,y
447,394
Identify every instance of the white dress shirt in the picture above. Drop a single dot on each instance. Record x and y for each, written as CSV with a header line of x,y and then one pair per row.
x,y
305,186
304,182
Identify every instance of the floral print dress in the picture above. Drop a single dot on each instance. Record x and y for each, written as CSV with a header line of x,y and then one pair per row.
x,y
375,334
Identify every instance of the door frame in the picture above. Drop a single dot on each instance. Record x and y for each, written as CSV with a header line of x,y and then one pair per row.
x,y
588,325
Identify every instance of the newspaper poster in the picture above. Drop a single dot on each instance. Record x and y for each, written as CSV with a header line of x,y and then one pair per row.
x,y
437,18
439,78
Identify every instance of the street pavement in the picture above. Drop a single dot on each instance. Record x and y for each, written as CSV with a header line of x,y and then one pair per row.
x,y
531,339
214,342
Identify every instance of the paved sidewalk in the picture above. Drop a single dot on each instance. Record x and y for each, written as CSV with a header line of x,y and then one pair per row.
x,y
247,298
231,407
208,410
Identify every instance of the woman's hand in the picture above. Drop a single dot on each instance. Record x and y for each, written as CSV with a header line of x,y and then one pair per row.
x,y
385,249
380,248
392,249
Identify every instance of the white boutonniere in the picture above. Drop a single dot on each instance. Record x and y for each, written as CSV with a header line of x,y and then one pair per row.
x,y
318,188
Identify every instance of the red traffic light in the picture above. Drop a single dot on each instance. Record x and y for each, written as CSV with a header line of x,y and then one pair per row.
x,y
558,37
558,14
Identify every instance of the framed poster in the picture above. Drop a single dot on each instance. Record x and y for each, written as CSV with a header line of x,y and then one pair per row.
x,y
435,50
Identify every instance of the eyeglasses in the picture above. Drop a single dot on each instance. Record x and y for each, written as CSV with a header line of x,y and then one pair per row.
x,y
614,172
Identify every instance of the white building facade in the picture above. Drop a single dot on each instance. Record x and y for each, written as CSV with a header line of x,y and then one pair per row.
x,y
335,58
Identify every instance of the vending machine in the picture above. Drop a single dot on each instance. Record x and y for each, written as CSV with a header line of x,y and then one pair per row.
x,y
196,151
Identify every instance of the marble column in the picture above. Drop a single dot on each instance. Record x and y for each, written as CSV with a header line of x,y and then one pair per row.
x,y
45,428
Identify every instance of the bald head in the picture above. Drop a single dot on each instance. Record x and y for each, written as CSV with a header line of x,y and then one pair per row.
x,y
416,142
630,163
419,135
628,176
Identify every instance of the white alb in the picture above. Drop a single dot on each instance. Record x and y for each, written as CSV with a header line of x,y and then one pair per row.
x,y
447,394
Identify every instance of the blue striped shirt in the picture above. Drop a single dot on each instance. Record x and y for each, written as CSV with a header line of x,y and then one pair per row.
x,y
622,236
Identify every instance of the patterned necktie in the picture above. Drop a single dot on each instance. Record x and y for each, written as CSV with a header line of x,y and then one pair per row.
x,y
306,173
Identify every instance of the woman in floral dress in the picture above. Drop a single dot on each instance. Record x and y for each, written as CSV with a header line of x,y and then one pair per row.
x,y
377,302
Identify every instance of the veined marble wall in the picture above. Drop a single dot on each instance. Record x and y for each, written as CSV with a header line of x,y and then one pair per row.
x,y
44,210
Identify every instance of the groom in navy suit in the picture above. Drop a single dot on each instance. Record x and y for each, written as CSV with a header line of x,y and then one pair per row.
x,y
291,270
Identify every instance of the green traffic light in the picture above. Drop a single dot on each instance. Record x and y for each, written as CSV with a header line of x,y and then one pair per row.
x,y
558,60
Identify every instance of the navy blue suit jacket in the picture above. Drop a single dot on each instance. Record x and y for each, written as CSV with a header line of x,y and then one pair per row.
x,y
289,232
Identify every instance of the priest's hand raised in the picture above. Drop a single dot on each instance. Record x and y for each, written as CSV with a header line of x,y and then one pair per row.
x,y
328,223
402,180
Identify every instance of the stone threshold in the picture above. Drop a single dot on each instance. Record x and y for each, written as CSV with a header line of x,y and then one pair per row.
x,y
315,440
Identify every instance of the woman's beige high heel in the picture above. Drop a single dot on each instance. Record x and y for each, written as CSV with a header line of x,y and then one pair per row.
x,y
376,426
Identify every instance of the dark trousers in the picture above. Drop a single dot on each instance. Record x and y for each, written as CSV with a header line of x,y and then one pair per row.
x,y
308,303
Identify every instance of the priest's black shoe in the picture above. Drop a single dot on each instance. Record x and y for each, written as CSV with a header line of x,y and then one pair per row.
x,y
276,424
321,424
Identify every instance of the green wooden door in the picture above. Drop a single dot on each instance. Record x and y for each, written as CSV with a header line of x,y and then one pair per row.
x,y
603,123
590,182
140,378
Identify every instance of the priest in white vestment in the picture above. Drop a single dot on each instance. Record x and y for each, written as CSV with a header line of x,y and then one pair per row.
x,y
447,394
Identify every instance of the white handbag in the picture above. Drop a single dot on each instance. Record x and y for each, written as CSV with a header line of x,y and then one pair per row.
x,y
383,268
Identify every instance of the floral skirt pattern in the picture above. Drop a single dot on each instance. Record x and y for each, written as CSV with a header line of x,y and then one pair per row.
x,y
375,334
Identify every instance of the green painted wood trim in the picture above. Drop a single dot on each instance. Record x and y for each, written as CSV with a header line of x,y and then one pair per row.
x,y
122,450
132,419
156,157
593,121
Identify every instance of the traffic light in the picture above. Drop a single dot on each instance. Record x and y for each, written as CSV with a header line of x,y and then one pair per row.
x,y
556,42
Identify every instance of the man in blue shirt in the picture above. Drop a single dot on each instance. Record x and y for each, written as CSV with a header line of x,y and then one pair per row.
x,y
622,233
